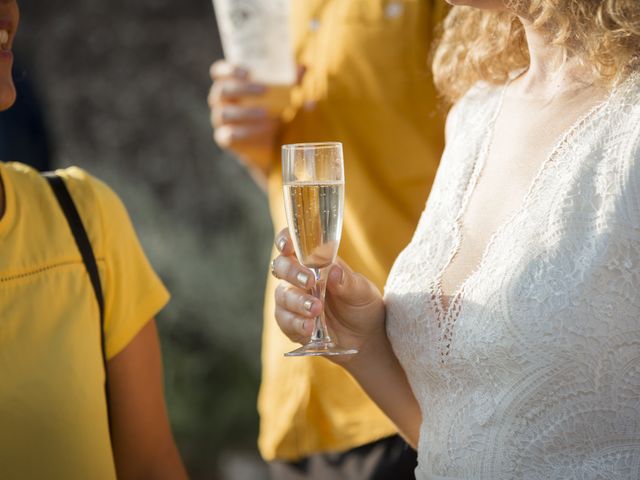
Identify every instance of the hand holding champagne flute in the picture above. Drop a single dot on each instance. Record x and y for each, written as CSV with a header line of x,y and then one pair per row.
x,y
313,178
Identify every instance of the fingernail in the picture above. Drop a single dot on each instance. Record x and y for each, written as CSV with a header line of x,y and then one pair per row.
x,y
281,243
303,326
308,305
302,278
242,72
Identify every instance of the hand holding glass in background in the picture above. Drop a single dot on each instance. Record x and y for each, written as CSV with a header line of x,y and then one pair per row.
x,y
255,35
313,179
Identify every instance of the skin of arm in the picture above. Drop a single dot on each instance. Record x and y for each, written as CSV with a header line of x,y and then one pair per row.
x,y
380,374
143,444
355,314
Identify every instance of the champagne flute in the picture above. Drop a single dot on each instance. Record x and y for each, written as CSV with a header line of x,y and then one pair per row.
x,y
313,178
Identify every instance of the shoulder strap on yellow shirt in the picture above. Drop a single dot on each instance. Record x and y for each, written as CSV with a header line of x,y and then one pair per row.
x,y
84,245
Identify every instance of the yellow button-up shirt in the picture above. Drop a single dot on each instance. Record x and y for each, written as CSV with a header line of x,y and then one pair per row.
x,y
368,85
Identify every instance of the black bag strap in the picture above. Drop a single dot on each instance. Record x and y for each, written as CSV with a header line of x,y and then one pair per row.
x,y
84,245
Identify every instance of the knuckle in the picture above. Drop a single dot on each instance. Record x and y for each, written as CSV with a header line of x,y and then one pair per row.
x,y
242,133
282,319
214,116
211,99
280,293
232,113
222,136
292,273
291,300
217,68
291,270
223,114
283,268
229,89
215,93
287,322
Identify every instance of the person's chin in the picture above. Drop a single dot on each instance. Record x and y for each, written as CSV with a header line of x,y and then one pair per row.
x,y
7,94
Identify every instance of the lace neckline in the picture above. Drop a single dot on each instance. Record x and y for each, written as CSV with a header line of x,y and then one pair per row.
x,y
447,314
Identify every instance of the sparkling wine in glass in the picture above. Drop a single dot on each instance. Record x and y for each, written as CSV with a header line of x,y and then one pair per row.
x,y
313,177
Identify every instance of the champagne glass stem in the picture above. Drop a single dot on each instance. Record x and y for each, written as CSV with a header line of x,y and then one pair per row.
x,y
320,332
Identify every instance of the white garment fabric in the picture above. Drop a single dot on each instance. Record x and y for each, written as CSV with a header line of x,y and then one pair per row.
x,y
534,371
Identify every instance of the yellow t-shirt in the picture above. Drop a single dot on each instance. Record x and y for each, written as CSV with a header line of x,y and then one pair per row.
x,y
53,420
368,84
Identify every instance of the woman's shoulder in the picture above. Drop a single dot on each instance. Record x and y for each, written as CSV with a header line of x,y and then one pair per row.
x,y
476,101
84,187
480,92
91,193
100,208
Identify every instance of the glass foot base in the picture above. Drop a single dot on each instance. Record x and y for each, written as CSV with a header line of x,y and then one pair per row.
x,y
319,349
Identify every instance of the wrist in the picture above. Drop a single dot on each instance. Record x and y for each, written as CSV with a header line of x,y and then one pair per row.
x,y
376,352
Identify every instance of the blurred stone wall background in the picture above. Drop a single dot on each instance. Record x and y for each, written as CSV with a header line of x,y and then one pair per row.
x,y
124,86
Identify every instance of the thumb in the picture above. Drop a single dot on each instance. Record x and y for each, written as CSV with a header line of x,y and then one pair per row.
x,y
350,287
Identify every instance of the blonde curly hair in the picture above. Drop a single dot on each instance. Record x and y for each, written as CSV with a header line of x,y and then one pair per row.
x,y
488,45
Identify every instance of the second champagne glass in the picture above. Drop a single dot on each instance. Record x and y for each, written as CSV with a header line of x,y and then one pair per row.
x,y
313,177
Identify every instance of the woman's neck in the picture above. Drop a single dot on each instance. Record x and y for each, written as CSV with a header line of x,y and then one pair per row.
x,y
552,71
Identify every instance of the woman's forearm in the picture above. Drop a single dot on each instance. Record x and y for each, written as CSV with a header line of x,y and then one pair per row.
x,y
378,371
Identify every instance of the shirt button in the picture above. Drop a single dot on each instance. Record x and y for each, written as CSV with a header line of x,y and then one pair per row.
x,y
314,24
394,9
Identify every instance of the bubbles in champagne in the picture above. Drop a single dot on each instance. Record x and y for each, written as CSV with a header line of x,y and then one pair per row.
x,y
314,211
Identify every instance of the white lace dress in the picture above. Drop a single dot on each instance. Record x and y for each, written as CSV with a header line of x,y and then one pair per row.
x,y
534,370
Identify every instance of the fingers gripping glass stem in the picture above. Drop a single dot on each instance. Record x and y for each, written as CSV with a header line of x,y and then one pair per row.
x,y
321,343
